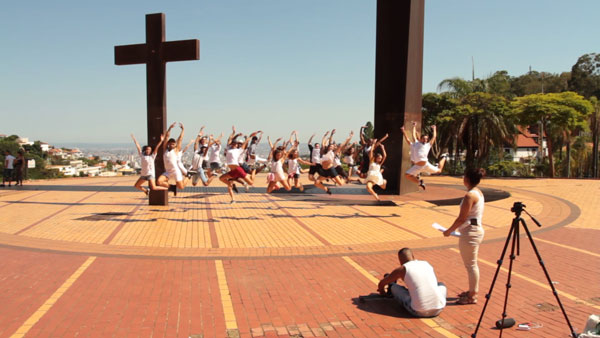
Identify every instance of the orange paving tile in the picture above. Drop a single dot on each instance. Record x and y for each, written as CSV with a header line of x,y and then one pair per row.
x,y
282,271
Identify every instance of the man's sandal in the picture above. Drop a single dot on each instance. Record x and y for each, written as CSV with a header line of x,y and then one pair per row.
x,y
463,294
465,300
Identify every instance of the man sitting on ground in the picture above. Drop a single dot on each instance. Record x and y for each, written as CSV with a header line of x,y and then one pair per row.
x,y
423,296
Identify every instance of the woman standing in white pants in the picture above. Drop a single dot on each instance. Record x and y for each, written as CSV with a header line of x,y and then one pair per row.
x,y
469,224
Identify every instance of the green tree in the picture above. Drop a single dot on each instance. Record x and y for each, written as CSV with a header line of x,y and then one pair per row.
x,y
437,110
486,122
559,114
499,84
585,75
368,132
456,87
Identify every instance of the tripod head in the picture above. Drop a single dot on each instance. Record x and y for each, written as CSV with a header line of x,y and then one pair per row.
x,y
518,208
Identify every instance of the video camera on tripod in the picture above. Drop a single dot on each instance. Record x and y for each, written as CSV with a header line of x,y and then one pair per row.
x,y
513,234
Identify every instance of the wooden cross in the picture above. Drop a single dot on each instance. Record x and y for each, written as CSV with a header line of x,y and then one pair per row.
x,y
155,53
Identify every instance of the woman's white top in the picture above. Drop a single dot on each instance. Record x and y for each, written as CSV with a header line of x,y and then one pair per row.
x,y
374,173
475,212
337,161
148,164
197,161
214,156
328,157
349,160
293,166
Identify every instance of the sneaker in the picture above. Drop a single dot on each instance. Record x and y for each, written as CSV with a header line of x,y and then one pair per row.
x,y
247,187
232,202
234,188
328,191
422,184
146,192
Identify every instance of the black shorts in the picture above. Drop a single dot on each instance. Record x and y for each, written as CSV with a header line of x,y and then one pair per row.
x,y
214,165
205,165
364,167
314,169
8,173
341,171
329,173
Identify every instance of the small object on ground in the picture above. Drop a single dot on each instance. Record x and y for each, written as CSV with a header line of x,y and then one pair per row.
x,y
524,327
508,322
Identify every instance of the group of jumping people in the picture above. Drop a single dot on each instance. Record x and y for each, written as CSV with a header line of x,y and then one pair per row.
x,y
283,162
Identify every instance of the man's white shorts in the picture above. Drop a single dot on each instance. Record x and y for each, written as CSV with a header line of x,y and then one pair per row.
x,y
415,170
175,174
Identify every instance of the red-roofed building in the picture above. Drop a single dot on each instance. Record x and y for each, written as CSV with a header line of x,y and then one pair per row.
x,y
527,146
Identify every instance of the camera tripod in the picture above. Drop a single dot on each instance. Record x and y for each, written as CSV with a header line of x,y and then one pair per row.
x,y
513,235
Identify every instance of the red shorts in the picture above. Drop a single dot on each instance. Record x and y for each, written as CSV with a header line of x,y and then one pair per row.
x,y
238,172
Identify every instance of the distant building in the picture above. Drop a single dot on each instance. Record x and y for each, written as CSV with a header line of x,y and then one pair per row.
x,y
77,168
527,146
45,146
24,141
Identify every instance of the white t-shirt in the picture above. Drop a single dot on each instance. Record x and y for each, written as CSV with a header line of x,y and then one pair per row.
x,y
337,161
329,156
233,156
315,155
421,151
422,286
293,166
413,152
242,158
215,149
171,160
251,151
197,161
10,160
147,164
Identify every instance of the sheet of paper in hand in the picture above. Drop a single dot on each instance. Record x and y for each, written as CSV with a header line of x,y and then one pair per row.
x,y
442,229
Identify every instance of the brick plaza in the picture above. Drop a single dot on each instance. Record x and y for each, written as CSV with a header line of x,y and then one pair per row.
x,y
88,257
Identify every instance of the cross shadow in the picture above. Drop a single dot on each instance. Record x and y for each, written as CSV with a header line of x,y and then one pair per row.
x,y
355,215
68,203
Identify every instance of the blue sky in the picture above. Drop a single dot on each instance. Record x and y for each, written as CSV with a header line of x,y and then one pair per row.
x,y
264,64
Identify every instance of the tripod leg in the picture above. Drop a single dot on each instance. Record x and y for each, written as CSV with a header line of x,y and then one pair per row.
x,y
510,266
489,294
541,261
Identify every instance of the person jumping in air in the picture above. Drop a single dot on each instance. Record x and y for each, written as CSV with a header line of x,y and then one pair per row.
x,y
374,176
327,167
235,150
294,169
147,157
276,174
170,157
419,150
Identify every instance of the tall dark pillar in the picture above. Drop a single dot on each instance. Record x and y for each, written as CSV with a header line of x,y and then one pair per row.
x,y
398,83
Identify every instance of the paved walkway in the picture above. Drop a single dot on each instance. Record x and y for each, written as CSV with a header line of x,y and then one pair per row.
x,y
88,257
